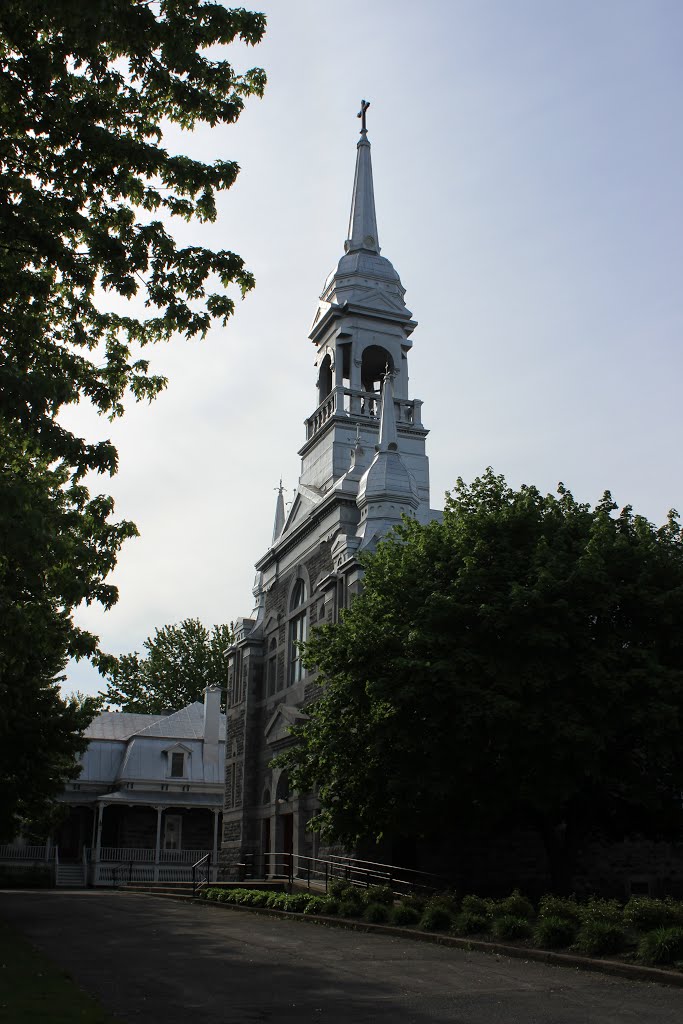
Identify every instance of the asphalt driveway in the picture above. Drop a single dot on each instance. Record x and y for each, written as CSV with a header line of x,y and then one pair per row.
x,y
156,961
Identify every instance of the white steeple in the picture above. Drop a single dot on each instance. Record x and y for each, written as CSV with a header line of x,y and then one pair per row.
x,y
363,221
362,276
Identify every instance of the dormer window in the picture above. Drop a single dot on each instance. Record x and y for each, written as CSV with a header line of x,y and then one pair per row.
x,y
177,761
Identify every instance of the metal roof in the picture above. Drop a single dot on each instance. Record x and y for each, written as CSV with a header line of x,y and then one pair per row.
x,y
187,724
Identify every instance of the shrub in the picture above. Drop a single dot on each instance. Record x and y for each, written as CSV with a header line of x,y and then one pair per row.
x,y
224,896
448,900
662,946
469,923
475,905
376,913
511,927
645,914
22,876
554,932
338,888
598,910
297,902
316,905
405,915
277,901
599,937
416,901
514,905
379,894
350,908
259,898
331,907
564,907
436,919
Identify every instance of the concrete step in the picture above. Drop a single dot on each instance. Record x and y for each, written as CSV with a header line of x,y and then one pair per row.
x,y
71,875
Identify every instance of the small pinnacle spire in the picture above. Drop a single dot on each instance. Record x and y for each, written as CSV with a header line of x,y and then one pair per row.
x,y
357,450
387,425
279,511
363,222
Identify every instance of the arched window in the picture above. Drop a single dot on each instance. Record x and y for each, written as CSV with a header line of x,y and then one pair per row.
x,y
282,793
297,630
271,668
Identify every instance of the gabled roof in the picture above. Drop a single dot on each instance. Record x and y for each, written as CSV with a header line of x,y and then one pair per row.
x,y
186,724
113,725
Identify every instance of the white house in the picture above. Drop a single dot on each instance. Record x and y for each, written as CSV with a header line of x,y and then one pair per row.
x,y
148,801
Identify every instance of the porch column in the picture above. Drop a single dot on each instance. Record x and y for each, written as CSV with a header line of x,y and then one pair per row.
x,y
93,838
214,852
98,843
98,832
157,848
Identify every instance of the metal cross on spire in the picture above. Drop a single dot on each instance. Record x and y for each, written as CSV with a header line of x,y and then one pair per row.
x,y
364,104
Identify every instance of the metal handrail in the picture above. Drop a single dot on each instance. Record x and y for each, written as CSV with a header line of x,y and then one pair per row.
x,y
307,868
199,881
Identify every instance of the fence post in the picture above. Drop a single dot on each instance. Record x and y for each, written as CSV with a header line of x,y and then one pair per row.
x,y
327,869
309,874
130,872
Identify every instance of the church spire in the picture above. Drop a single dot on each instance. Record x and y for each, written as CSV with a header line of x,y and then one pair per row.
x,y
363,222
279,512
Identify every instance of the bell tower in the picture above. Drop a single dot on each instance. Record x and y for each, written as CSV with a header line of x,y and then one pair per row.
x,y
362,329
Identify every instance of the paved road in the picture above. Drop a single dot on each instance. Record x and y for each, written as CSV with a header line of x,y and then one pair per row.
x,y
159,962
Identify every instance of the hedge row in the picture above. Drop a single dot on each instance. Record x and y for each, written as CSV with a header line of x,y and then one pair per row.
x,y
647,930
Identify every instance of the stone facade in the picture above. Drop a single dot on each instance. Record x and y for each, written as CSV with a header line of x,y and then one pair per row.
x,y
363,466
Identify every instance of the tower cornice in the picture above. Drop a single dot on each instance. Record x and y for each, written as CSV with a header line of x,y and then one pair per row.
x,y
352,309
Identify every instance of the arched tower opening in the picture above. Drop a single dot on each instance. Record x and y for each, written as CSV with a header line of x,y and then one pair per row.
x,y
373,367
325,379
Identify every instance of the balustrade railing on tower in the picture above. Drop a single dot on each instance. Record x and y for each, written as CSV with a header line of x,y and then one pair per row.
x,y
350,402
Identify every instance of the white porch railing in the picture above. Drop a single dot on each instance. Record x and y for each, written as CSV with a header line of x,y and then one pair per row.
x,y
147,855
26,853
120,864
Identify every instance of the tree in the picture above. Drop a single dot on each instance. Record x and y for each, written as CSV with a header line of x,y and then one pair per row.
x,y
88,193
181,661
57,547
520,662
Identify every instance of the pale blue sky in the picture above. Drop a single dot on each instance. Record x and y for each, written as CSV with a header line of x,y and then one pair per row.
x,y
528,162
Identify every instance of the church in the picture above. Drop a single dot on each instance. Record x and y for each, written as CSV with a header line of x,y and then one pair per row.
x,y
363,466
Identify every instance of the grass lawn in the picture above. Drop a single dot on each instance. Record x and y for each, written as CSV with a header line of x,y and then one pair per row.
x,y
33,989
